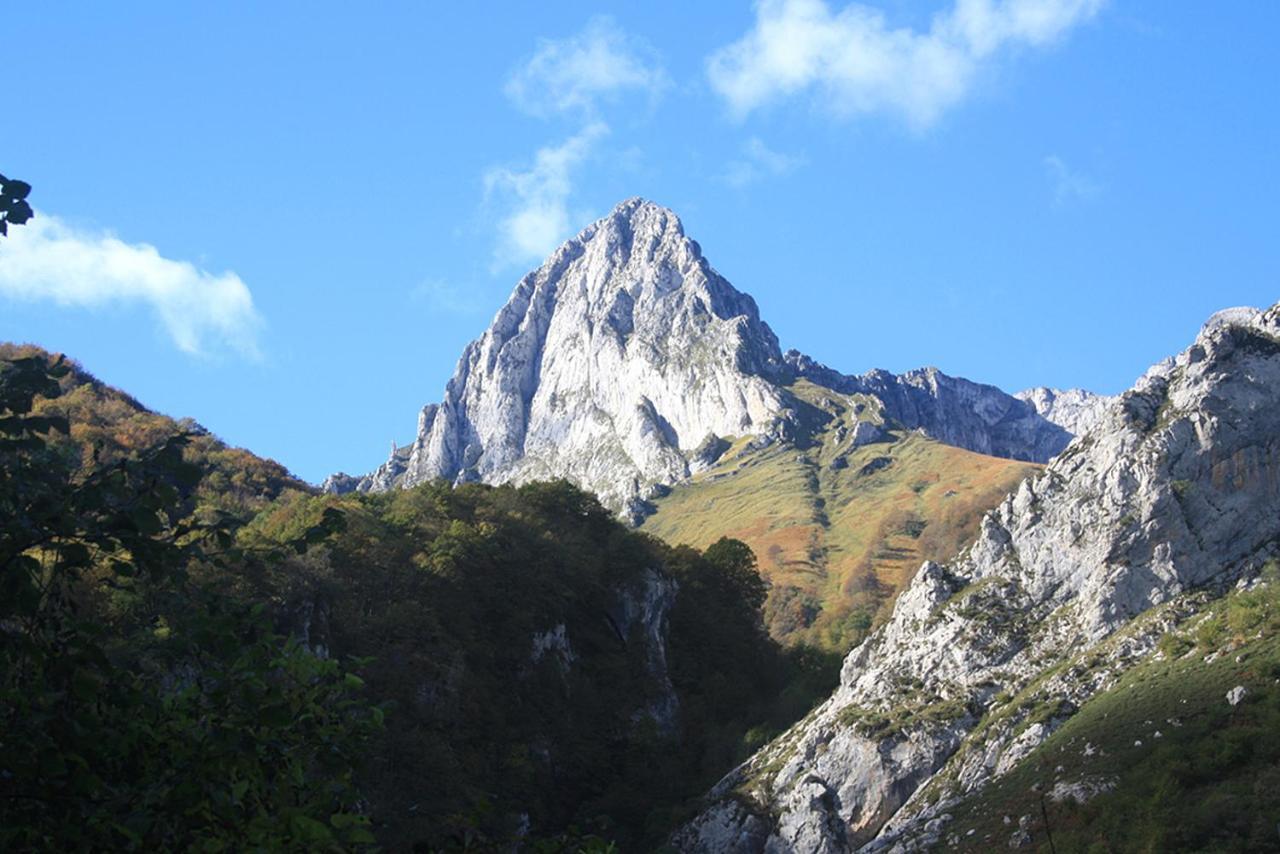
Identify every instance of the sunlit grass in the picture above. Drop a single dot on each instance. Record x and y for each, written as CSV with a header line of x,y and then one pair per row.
x,y
838,531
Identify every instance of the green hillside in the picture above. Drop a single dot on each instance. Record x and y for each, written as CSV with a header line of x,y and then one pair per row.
x,y
1164,760
837,530
108,425
200,652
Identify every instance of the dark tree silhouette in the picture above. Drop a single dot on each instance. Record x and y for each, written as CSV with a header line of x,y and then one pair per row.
x,y
14,207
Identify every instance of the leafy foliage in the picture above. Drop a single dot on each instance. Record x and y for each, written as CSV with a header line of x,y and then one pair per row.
x,y
139,708
107,425
548,675
14,207
527,647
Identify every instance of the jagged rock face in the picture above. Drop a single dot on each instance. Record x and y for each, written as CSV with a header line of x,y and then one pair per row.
x,y
1074,410
640,616
625,359
609,365
1241,314
1177,487
956,411
967,414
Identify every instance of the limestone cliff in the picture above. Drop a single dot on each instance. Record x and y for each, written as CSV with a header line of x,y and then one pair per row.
x,y
1176,488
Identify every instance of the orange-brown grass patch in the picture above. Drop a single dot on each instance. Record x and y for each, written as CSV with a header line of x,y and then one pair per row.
x,y
838,541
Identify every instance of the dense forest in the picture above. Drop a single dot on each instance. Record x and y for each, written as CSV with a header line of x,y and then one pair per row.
x,y
200,651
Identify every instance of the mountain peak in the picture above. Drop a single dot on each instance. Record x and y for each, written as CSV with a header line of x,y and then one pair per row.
x,y
625,352
609,365
636,216
629,206
634,224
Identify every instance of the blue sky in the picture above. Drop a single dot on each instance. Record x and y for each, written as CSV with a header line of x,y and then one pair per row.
x,y
286,219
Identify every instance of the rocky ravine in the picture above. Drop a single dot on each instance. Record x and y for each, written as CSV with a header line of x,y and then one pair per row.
x,y
1072,579
624,357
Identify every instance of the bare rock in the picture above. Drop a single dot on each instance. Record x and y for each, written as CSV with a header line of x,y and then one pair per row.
x,y
1175,488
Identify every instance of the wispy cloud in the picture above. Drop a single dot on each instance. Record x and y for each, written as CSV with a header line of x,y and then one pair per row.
x,y
758,161
854,62
575,78
1069,185
576,73
446,297
48,260
536,199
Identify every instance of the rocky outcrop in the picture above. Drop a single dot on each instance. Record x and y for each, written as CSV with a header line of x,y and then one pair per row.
x,y
1175,488
642,617
1239,315
1074,410
966,414
616,362
953,410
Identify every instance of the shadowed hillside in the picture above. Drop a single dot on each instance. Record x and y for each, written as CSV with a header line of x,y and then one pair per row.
x,y
492,665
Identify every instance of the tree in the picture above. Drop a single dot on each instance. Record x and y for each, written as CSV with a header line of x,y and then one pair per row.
x,y
736,567
138,708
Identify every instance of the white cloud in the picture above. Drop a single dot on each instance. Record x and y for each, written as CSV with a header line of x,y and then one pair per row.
x,y
572,74
855,62
1069,185
48,260
537,199
446,297
758,161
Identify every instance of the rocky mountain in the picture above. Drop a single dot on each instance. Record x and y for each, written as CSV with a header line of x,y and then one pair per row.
x,y
1074,410
608,365
625,362
953,410
1172,497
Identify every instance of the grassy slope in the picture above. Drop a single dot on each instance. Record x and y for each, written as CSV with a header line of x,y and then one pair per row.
x,y
837,542
1209,782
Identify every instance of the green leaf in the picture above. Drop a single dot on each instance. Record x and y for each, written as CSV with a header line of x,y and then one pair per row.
x,y
309,829
361,835
145,521
75,554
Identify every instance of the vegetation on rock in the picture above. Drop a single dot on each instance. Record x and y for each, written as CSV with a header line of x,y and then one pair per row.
x,y
199,648
1162,761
